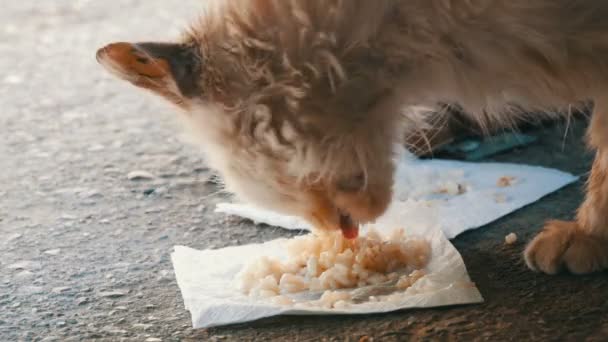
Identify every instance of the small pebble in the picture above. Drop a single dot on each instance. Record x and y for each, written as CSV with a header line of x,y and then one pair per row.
x,y
142,326
140,175
68,217
96,148
24,275
53,251
93,193
116,331
149,191
13,79
165,276
153,339
113,294
13,237
61,289
21,265
82,300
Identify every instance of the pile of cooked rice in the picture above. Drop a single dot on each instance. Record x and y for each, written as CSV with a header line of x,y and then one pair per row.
x,y
329,262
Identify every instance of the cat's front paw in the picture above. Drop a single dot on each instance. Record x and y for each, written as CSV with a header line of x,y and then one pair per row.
x,y
563,245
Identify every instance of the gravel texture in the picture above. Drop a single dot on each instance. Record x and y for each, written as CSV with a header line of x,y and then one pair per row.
x,y
97,188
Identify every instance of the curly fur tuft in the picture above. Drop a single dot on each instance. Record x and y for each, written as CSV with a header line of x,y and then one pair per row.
x,y
301,101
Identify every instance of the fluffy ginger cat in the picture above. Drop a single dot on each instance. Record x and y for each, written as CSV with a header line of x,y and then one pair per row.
x,y
299,102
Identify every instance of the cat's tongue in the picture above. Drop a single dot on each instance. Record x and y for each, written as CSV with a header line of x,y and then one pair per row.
x,y
350,230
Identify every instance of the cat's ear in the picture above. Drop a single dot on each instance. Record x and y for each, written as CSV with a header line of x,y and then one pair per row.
x,y
171,70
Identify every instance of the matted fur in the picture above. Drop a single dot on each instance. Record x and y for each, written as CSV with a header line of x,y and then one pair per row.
x,y
301,101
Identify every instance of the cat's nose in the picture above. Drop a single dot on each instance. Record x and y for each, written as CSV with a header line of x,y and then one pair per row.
x,y
364,206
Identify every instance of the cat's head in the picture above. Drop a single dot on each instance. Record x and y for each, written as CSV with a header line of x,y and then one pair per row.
x,y
279,140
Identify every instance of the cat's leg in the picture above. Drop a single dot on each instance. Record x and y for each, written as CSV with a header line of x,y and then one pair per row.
x,y
580,246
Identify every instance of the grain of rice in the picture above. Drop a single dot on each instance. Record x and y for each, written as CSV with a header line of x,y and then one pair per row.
x,y
511,238
291,283
330,298
452,188
505,181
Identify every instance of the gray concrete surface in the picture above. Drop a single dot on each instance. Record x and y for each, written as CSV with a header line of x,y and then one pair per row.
x,y
84,251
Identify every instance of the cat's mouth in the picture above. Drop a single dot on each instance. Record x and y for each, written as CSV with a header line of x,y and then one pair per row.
x,y
349,228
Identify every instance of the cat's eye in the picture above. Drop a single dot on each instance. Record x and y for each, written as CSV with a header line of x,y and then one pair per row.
x,y
351,184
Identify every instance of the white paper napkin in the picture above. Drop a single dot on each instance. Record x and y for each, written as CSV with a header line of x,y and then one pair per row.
x,y
207,279
483,202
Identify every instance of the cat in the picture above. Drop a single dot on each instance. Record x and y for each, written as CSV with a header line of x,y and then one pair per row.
x,y
299,103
